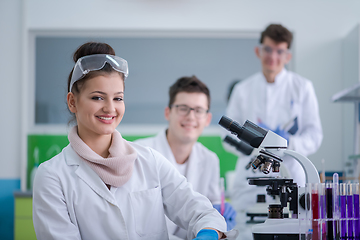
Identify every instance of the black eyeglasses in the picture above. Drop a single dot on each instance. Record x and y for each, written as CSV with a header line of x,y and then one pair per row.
x,y
184,110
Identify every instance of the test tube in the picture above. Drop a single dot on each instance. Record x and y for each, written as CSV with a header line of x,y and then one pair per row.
x,y
356,211
323,215
329,212
343,227
336,213
350,210
315,211
222,189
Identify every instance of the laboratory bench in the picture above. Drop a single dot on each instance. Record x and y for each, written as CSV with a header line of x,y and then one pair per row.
x,y
23,222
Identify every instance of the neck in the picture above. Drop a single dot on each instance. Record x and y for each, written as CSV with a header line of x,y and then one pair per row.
x,y
270,76
98,143
180,150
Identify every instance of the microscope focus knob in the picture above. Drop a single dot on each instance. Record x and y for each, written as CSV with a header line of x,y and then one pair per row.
x,y
302,201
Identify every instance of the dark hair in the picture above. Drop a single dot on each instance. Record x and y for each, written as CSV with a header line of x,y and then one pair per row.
x,y
189,85
86,49
278,33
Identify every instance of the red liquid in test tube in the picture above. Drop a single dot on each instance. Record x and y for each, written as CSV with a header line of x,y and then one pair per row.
x,y
315,215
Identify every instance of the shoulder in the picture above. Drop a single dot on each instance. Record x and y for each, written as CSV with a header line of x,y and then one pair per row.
x,y
150,160
205,152
55,168
153,141
140,148
57,161
148,141
299,81
146,153
245,84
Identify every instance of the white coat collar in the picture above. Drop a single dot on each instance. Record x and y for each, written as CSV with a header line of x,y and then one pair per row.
x,y
165,146
279,79
193,161
88,175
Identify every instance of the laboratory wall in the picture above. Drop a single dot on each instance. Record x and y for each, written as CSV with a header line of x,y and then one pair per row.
x,y
10,113
318,25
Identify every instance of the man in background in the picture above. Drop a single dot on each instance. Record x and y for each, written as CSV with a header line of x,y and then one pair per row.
x,y
188,114
278,100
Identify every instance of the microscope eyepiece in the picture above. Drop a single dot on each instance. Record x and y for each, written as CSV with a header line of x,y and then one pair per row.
x,y
241,146
230,125
250,133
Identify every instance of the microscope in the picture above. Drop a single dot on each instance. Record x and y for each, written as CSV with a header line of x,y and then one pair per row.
x,y
272,148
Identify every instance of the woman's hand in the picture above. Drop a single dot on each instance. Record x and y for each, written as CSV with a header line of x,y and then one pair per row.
x,y
207,234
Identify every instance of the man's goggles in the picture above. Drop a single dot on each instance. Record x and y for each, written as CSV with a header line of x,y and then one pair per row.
x,y
281,53
96,62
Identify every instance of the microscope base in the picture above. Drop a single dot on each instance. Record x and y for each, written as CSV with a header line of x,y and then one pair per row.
x,y
279,229
274,236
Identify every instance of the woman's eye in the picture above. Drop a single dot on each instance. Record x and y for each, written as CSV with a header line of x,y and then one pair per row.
x,y
96,98
118,99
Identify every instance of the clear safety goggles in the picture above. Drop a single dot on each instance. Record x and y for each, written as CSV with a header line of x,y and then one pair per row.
x,y
96,62
268,51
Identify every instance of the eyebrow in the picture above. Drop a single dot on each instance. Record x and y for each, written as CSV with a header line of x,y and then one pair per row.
x,y
100,92
188,106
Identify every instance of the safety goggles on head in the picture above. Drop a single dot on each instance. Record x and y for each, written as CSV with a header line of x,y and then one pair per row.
x,y
96,62
267,50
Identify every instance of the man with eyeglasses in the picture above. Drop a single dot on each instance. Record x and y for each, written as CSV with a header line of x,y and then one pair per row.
x,y
278,100
188,114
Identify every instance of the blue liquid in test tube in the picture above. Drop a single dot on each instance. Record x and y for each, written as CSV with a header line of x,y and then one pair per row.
x,y
350,210
356,211
343,227
336,205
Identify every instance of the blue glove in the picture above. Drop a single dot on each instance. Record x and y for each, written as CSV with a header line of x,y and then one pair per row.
x,y
263,125
294,128
282,133
229,215
207,234
278,131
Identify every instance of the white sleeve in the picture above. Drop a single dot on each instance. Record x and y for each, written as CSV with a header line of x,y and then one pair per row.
x,y
50,214
214,193
185,207
310,136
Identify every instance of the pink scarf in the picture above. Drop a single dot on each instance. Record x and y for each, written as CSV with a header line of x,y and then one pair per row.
x,y
114,170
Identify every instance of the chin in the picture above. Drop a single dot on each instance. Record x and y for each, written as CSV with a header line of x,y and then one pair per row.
x,y
190,138
106,131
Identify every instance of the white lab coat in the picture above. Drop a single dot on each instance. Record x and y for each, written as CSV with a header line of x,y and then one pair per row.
x,y
70,201
202,171
274,104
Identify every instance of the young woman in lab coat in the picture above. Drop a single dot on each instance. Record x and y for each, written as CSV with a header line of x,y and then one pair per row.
x,y
101,186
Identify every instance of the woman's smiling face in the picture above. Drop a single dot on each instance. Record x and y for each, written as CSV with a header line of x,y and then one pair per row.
x,y
99,107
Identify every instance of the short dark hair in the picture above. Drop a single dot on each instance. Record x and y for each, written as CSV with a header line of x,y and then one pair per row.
x,y
278,33
91,48
190,85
